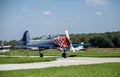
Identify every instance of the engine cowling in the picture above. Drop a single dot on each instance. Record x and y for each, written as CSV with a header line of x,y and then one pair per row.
x,y
62,41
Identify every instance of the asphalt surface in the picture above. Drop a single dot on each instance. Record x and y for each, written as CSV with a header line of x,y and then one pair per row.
x,y
59,62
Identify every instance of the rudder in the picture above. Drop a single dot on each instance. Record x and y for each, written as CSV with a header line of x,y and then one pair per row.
x,y
26,38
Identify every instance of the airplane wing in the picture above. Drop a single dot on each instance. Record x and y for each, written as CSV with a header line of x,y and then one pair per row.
x,y
75,45
37,45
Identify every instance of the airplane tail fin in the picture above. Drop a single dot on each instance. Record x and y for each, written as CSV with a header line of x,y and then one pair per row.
x,y
26,38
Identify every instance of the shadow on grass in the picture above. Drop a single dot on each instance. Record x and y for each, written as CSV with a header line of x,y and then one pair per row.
x,y
72,55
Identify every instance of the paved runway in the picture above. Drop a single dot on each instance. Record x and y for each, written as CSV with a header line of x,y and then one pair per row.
x,y
59,62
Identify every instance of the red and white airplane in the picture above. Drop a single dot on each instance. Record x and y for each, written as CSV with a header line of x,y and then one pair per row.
x,y
62,42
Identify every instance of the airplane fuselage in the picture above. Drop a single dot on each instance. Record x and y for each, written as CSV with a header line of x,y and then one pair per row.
x,y
60,41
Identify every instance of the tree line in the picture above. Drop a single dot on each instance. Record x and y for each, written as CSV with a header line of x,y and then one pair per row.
x,y
101,40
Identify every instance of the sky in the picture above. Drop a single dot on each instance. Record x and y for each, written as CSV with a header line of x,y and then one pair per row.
x,y
50,17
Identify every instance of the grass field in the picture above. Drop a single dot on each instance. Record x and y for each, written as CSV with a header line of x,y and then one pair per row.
x,y
11,60
91,52
94,70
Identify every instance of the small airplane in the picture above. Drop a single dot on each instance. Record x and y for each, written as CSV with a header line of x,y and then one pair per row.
x,y
4,48
62,42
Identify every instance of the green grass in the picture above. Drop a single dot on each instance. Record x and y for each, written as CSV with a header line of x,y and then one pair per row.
x,y
94,70
91,52
95,54
11,60
20,52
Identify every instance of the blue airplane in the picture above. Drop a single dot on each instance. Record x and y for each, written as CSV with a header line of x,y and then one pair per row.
x,y
62,42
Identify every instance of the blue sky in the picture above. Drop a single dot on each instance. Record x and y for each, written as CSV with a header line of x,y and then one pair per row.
x,y
45,17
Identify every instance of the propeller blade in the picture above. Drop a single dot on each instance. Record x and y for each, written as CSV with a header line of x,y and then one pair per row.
x,y
68,37
67,34
72,48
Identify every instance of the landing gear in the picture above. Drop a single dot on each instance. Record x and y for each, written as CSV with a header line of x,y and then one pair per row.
x,y
40,52
64,54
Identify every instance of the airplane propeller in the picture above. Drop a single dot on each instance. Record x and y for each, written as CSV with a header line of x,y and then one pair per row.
x,y
68,37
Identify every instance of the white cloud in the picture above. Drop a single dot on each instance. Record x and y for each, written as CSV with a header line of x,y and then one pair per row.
x,y
22,12
98,13
47,13
96,2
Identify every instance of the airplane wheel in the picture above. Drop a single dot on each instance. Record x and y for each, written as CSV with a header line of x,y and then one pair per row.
x,y
41,54
64,55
